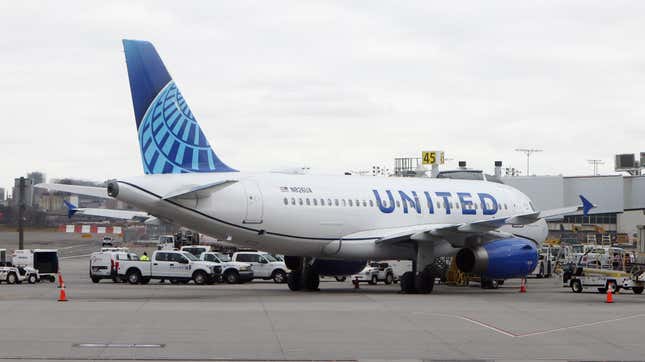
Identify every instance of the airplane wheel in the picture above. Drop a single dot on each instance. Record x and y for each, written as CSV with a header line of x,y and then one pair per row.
x,y
637,290
293,281
407,282
424,282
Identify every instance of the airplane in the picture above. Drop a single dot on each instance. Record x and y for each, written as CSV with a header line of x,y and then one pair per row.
x,y
325,225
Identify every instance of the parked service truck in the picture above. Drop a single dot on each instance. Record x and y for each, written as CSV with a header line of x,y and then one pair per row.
x,y
176,266
233,272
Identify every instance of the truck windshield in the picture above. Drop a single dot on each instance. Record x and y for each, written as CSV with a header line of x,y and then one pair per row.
x,y
269,257
223,257
190,256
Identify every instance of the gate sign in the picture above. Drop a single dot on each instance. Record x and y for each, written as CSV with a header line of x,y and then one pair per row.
x,y
432,157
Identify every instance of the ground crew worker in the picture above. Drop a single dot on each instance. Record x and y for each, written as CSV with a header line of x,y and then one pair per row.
x,y
144,257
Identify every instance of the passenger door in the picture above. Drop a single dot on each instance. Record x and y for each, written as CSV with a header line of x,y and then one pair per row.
x,y
179,266
161,265
254,261
254,206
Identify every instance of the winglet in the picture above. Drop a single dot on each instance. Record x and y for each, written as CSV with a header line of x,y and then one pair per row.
x,y
586,205
71,209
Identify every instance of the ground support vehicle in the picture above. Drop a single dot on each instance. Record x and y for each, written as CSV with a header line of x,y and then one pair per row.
x,y
12,274
233,272
369,274
602,279
196,250
264,265
176,266
43,260
104,264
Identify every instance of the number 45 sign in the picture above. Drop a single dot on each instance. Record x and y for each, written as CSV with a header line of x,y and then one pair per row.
x,y
432,157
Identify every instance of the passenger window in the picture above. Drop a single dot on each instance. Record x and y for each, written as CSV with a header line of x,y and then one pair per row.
x,y
364,203
350,202
358,203
286,201
344,202
371,203
308,202
322,202
300,201
293,201
161,257
398,204
336,202
438,205
329,202
456,205
315,202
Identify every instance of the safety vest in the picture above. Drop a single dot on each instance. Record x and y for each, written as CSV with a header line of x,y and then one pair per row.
x,y
144,258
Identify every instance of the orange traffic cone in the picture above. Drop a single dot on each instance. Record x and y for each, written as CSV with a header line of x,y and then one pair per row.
x,y
610,296
523,286
61,282
62,297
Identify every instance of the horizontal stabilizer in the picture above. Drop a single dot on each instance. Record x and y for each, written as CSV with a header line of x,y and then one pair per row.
x,y
100,192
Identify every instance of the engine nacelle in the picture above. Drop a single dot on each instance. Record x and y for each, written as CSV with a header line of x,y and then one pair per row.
x,y
499,259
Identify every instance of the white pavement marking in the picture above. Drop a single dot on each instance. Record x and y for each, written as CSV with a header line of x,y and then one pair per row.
x,y
535,333
580,325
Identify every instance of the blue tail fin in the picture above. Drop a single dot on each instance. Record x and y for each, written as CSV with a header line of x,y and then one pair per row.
x,y
171,141
71,209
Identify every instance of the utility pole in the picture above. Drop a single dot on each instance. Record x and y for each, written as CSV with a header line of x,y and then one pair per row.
x,y
528,152
595,164
21,213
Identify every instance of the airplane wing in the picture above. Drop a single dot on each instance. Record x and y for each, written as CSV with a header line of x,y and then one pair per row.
x,y
109,213
486,228
100,192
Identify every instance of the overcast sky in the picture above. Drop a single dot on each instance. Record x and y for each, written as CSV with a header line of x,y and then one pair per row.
x,y
331,85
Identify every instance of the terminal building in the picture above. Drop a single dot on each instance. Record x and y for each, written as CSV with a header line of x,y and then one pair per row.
x,y
619,216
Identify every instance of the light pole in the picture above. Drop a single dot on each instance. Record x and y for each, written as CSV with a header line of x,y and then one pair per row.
x,y
528,152
595,164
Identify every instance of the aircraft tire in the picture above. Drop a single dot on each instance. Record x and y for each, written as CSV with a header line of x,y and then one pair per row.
x,y
293,281
424,282
407,282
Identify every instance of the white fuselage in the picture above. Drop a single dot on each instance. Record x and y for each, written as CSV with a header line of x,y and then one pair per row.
x,y
318,216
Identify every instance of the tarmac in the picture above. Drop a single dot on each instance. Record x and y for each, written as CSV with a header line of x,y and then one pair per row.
x,y
266,321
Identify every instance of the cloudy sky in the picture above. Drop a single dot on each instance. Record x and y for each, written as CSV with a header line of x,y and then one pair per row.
x,y
331,85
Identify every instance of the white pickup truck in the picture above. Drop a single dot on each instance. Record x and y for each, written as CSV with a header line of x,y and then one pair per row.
x,y
233,272
264,265
176,266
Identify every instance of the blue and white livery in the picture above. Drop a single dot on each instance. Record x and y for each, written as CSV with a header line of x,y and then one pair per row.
x,y
325,225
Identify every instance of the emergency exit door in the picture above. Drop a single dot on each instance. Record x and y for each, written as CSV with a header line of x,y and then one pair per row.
x,y
253,202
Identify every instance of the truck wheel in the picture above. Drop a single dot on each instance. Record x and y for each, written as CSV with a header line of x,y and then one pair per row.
x,y
200,278
279,276
637,290
12,278
232,277
341,279
134,277
32,279
374,280
389,279
95,279
576,286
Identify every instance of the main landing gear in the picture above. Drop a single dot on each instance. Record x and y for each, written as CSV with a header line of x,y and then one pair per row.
x,y
420,282
302,275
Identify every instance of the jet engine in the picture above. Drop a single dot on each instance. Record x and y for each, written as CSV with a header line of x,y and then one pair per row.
x,y
499,259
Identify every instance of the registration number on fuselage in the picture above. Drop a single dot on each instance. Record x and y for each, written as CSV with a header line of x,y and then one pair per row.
x,y
296,189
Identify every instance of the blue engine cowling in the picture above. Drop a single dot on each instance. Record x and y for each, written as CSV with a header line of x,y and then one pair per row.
x,y
499,259
330,267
